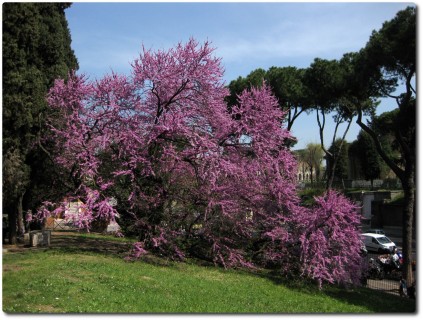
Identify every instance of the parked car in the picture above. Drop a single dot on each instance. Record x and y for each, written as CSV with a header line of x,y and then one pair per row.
x,y
378,242
378,231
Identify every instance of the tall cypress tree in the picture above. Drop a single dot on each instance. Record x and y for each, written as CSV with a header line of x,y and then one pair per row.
x,y
36,50
364,150
340,148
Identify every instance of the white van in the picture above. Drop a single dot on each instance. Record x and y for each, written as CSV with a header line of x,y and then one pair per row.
x,y
377,242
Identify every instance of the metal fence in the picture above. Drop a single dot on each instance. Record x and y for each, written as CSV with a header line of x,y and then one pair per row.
x,y
384,279
59,224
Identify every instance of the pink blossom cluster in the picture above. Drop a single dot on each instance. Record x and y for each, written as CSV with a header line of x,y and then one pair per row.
x,y
198,176
330,243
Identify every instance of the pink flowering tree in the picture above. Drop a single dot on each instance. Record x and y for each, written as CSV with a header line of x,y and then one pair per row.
x,y
190,175
330,241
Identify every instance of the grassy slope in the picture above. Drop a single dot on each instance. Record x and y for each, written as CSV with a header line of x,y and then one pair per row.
x,y
60,280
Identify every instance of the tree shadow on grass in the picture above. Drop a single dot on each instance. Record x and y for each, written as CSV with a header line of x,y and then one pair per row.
x,y
71,242
74,243
375,301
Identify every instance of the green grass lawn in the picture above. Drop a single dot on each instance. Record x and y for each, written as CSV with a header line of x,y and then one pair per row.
x,y
71,281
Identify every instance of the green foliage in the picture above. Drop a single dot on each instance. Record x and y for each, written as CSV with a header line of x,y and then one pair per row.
x,y
398,199
307,196
287,85
323,80
36,50
15,175
364,150
341,168
312,155
393,47
388,124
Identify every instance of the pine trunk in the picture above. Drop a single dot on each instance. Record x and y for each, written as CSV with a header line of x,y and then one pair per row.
x,y
20,218
408,222
12,226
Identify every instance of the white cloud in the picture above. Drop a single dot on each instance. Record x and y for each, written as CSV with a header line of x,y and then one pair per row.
x,y
317,38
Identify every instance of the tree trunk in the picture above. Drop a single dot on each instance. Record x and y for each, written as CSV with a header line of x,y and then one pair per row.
x,y
331,172
317,173
12,225
408,221
311,175
20,222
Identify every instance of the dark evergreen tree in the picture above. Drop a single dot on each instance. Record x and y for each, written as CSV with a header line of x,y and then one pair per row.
x,y
364,150
340,148
36,50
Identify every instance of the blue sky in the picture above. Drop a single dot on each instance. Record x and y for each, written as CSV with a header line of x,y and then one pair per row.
x,y
247,36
